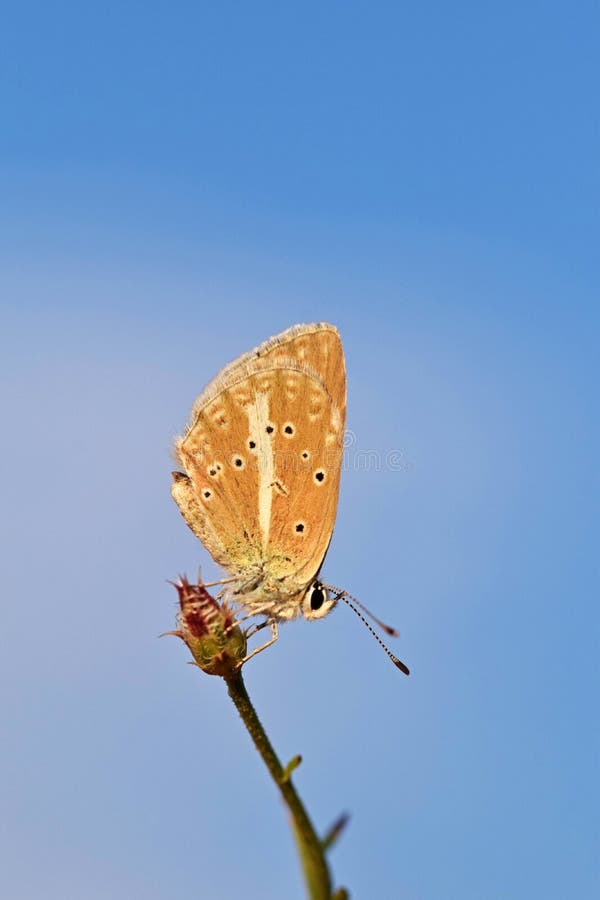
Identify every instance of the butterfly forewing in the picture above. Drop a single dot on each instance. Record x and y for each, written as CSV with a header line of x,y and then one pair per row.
x,y
307,450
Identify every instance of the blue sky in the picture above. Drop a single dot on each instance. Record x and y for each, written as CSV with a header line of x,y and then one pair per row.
x,y
178,183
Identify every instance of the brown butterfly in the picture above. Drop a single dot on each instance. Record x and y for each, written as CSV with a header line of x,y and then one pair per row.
x,y
262,457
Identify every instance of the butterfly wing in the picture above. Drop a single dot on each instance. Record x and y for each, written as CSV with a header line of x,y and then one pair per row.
x,y
263,459
317,346
307,458
218,494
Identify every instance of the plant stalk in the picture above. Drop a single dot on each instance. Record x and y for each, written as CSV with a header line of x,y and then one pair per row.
x,y
310,847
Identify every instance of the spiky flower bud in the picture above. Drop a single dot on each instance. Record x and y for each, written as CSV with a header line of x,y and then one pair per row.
x,y
208,627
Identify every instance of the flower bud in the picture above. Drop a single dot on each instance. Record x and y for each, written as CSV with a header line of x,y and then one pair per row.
x,y
217,644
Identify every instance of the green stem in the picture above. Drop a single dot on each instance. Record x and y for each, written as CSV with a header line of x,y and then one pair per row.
x,y
312,854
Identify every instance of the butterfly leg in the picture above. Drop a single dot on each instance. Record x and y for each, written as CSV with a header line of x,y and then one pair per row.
x,y
275,634
219,581
252,629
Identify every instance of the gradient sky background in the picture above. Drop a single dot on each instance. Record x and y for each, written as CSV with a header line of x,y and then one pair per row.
x,y
179,182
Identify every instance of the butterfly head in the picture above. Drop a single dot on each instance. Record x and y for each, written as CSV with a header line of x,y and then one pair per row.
x,y
317,601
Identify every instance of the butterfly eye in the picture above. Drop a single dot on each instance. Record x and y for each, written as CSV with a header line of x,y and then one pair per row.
x,y
317,598
317,601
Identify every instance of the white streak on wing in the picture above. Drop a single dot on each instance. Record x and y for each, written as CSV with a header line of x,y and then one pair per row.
x,y
258,419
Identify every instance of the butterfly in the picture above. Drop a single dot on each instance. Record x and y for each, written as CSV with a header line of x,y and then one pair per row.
x,y
262,458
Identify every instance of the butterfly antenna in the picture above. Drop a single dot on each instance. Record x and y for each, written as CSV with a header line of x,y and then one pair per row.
x,y
343,595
